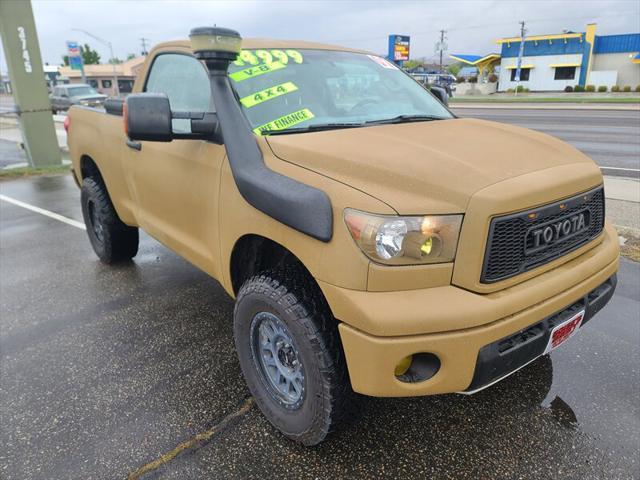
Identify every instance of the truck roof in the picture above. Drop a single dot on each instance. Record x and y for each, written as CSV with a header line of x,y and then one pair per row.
x,y
255,43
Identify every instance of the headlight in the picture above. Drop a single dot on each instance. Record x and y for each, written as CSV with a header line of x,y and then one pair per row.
x,y
405,240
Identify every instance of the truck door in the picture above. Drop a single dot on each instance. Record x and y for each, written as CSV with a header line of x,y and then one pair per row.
x,y
176,184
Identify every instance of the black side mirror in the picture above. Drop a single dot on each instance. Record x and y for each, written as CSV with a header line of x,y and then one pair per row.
x,y
148,117
441,94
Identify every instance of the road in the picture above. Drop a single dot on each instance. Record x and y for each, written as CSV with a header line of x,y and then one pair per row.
x,y
105,369
610,137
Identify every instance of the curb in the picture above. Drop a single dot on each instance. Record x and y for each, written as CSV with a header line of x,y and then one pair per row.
x,y
547,106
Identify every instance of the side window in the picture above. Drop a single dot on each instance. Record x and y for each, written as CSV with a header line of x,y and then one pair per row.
x,y
183,79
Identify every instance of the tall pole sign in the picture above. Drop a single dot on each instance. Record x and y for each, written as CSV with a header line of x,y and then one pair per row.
x,y
399,48
21,48
75,59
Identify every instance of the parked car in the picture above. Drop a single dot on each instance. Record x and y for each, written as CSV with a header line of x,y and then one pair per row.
x,y
64,96
373,241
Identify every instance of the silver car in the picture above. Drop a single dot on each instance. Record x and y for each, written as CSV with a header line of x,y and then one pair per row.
x,y
64,96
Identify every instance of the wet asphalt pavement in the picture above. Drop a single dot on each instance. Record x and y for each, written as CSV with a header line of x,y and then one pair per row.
x,y
104,369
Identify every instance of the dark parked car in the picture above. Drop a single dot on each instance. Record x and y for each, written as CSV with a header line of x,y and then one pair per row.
x,y
64,96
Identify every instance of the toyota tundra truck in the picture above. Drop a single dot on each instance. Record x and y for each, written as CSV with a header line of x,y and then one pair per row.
x,y
373,242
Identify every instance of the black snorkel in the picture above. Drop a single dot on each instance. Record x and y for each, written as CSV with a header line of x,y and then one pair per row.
x,y
295,204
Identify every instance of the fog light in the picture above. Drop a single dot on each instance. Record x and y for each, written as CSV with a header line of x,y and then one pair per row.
x,y
417,367
403,365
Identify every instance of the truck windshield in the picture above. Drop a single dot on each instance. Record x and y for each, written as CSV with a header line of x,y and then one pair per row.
x,y
287,91
81,91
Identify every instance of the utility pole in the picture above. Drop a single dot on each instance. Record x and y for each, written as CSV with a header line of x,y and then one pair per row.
x,y
523,32
144,41
441,45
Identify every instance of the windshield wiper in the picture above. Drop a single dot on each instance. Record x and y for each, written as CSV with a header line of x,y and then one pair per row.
x,y
312,128
405,119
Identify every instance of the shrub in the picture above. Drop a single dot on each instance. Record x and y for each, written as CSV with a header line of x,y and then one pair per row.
x,y
460,79
521,88
590,88
568,89
493,78
616,88
627,88
578,88
637,88
473,79
602,88
510,90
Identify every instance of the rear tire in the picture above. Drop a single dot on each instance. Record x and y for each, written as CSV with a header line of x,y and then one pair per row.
x,y
290,353
111,239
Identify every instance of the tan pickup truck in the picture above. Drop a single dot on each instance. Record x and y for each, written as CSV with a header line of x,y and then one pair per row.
x,y
373,241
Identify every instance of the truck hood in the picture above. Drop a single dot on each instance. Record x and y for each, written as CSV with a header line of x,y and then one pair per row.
x,y
425,167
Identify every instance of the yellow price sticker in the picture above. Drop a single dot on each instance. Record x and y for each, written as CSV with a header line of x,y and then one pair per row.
x,y
267,94
253,57
285,121
251,72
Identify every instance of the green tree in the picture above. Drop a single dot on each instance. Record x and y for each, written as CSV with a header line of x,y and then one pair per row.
x,y
115,60
89,56
408,64
131,56
454,68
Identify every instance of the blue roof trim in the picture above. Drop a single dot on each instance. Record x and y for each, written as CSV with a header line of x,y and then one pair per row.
x,y
629,42
543,47
468,58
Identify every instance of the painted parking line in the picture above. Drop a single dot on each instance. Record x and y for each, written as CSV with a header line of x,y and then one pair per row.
x,y
42,211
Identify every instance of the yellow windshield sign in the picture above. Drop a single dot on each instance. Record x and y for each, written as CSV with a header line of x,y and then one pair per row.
x,y
255,71
267,94
285,121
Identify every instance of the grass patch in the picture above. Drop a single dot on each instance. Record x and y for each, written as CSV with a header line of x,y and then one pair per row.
x,y
31,171
526,99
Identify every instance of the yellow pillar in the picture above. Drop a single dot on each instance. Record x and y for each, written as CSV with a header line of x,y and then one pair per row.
x,y
590,37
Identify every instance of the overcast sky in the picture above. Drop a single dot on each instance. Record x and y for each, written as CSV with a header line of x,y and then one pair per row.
x,y
472,25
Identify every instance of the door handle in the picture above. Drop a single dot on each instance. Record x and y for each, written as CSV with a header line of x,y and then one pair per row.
x,y
134,145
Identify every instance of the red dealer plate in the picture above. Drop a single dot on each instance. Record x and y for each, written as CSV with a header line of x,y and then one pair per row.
x,y
564,331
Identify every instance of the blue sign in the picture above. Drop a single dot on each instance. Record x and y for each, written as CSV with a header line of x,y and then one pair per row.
x,y
399,48
75,63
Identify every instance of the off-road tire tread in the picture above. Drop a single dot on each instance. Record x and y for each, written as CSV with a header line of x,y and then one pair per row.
x,y
292,288
121,240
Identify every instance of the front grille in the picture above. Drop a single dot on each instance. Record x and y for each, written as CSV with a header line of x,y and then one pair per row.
x,y
510,249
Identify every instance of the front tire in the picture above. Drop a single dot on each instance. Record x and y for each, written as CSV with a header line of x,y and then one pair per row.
x,y
289,350
111,239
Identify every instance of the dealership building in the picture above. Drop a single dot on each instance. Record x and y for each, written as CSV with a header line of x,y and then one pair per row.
x,y
553,62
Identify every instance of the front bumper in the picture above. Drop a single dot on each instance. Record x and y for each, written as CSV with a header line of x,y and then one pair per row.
x,y
371,321
507,355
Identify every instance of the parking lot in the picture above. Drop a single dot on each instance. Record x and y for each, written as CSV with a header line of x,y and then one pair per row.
x,y
108,369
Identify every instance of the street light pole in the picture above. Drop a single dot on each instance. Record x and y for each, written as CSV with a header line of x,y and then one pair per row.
x,y
113,65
